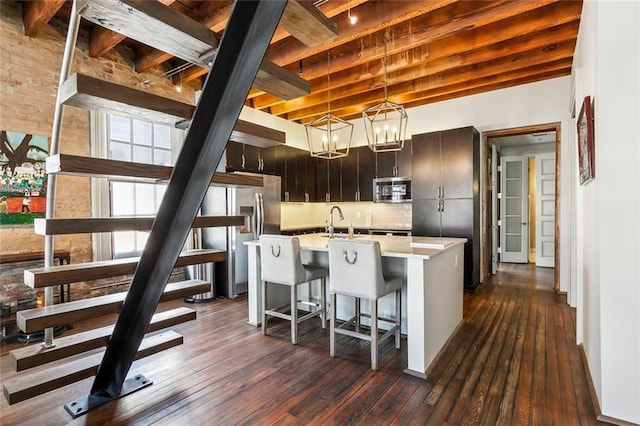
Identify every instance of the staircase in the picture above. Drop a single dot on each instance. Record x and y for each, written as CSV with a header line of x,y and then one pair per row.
x,y
237,62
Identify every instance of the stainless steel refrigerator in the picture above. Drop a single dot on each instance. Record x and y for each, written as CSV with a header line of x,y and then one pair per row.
x,y
263,205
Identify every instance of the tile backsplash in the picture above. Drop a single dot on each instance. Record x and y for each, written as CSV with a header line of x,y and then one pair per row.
x,y
360,214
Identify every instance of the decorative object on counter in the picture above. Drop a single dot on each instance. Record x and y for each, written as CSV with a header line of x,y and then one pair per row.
x,y
586,150
356,271
281,264
329,136
385,123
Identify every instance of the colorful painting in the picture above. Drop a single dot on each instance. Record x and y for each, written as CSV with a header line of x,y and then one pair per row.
x,y
23,177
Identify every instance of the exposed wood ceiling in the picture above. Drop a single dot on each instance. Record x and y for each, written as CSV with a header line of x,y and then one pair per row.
x,y
436,49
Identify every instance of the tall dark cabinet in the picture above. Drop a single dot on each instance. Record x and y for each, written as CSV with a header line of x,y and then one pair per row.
x,y
445,168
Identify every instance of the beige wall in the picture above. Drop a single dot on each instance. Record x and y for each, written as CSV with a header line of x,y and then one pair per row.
x,y
29,70
361,215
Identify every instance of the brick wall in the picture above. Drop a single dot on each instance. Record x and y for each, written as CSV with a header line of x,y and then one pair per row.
x,y
29,74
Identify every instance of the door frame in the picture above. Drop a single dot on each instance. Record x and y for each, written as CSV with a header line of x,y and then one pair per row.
x,y
485,263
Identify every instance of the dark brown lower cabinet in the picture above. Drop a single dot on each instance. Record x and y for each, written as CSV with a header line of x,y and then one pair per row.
x,y
446,198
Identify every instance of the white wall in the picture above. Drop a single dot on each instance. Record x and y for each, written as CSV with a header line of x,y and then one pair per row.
x,y
607,67
531,104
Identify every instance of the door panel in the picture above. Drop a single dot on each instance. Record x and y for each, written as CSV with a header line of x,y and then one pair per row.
x,y
514,230
425,165
457,163
494,209
545,206
366,172
425,218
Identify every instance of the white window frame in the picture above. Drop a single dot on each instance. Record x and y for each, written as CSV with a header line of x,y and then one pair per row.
x,y
102,243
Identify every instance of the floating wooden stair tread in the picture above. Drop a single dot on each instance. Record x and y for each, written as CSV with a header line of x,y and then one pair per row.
x,y
83,91
181,36
307,24
91,93
32,320
39,382
34,355
31,256
113,224
155,25
101,167
75,272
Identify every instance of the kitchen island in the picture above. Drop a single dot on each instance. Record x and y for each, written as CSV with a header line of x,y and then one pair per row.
x,y
431,296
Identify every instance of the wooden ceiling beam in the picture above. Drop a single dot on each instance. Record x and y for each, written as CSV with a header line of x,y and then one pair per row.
x,y
498,24
396,93
36,14
373,16
501,23
367,19
471,87
482,86
407,66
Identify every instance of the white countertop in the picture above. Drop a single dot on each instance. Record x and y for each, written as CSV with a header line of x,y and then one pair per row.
x,y
390,246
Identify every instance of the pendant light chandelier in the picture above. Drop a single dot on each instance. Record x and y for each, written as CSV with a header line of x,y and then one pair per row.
x,y
329,136
386,123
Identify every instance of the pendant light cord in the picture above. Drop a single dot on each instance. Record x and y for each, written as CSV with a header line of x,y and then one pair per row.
x,y
328,82
384,63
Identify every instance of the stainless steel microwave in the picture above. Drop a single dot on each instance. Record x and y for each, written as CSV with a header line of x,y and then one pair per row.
x,y
392,190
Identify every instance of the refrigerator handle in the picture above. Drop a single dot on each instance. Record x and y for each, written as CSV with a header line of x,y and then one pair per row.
x,y
259,215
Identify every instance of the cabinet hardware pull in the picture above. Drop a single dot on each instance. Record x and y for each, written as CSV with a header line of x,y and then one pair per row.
x,y
242,156
275,251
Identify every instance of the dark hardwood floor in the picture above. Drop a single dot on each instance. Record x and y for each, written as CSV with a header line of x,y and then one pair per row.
x,y
512,362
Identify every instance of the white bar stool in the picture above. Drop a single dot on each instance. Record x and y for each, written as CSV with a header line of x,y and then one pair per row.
x,y
280,263
356,270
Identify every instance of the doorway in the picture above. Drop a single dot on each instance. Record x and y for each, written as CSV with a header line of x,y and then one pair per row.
x,y
531,156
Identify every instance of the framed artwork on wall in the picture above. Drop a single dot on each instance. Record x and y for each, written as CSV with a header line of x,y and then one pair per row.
x,y
586,149
23,180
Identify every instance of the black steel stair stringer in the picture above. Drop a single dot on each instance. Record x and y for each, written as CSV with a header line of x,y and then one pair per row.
x,y
242,49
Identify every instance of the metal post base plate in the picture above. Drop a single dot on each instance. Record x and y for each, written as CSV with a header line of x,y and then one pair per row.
x,y
82,405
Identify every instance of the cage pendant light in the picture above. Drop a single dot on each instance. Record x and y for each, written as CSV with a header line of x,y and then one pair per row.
x,y
386,123
329,136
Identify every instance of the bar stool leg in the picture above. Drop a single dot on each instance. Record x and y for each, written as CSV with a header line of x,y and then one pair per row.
x,y
398,317
294,314
264,308
374,334
358,314
332,326
323,302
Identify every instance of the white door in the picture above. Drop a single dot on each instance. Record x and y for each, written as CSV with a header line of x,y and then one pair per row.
x,y
494,209
514,209
545,209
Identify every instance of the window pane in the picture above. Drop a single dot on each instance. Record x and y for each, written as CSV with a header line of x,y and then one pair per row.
x,y
145,199
141,132
124,242
162,136
120,151
160,190
142,154
122,199
141,240
119,128
162,157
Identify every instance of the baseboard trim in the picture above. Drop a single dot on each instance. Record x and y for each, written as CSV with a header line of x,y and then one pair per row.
x,y
594,396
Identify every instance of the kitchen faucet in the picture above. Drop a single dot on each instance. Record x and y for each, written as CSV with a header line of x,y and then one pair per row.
x,y
329,223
